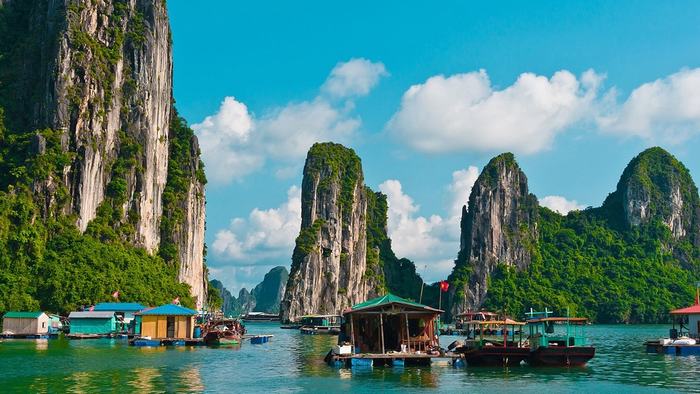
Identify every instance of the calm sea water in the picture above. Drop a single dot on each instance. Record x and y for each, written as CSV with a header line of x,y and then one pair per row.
x,y
292,362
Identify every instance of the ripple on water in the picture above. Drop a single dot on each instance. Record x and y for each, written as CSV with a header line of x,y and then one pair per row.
x,y
292,362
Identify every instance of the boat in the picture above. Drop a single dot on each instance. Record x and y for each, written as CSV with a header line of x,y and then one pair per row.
x,y
320,324
223,332
557,341
493,342
684,335
291,326
259,316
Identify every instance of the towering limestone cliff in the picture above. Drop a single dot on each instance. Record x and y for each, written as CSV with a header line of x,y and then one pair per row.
x,y
630,260
329,259
499,227
343,253
91,82
656,186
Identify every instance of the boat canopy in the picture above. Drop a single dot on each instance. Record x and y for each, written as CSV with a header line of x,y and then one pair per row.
x,y
506,322
573,320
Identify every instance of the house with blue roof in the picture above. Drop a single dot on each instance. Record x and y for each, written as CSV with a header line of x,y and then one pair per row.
x,y
168,321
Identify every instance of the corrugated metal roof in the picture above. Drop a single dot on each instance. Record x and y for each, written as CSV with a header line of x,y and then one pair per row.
x,y
91,315
387,300
23,315
119,307
691,310
169,309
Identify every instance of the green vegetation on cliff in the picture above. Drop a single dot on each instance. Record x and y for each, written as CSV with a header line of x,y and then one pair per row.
x,y
394,275
598,264
344,165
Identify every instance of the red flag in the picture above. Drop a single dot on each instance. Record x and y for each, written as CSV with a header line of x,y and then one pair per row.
x,y
444,285
176,301
115,294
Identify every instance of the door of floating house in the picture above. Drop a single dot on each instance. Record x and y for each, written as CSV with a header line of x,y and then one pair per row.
x,y
167,322
25,323
90,323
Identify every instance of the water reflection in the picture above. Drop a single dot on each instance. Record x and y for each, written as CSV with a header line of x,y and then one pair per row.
x,y
80,382
144,379
190,380
42,344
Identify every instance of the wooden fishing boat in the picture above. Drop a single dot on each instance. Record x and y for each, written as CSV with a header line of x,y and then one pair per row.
x,y
557,341
223,332
493,343
321,324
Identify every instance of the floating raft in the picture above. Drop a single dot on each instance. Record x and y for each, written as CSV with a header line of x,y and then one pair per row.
x,y
87,336
258,339
388,359
25,336
148,342
659,347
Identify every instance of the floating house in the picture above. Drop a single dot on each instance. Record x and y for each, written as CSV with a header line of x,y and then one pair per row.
x,y
684,335
84,325
167,322
25,325
126,314
387,330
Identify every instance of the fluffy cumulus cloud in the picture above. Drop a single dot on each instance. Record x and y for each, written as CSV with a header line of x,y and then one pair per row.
x,y
265,235
235,142
560,204
432,241
665,110
465,112
355,77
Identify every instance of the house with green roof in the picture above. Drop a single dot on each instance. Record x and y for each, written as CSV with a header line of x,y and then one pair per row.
x,y
126,314
25,324
390,329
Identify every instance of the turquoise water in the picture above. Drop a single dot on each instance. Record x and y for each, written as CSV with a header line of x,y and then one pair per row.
x,y
292,362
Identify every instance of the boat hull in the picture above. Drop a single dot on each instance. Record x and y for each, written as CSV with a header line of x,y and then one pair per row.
x,y
320,331
562,356
496,356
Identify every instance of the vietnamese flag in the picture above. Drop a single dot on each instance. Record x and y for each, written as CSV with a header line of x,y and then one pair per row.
x,y
444,285
115,294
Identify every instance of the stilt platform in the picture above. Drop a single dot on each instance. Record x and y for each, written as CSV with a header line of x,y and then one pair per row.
x,y
156,342
672,349
389,359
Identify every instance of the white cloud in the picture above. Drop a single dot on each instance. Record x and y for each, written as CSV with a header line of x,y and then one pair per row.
x,y
666,110
266,235
560,204
235,142
356,77
428,241
465,112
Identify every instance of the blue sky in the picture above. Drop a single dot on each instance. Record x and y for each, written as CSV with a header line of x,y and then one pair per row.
x,y
574,89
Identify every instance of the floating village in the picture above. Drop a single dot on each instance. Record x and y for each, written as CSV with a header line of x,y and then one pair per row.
x,y
386,331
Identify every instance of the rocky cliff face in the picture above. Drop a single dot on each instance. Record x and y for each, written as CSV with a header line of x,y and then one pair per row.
x,y
100,73
498,227
329,260
656,186
268,293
